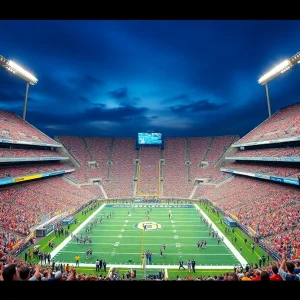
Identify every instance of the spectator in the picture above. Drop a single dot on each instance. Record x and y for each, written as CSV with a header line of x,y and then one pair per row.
x,y
11,273
232,277
286,270
275,276
264,276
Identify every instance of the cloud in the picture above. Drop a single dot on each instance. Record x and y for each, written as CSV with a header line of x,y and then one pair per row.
x,y
161,67
118,114
13,97
135,100
180,98
199,106
96,121
74,94
85,82
96,113
120,93
11,84
122,97
85,100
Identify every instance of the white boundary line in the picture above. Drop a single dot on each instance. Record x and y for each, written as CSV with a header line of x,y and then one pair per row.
x,y
238,256
138,266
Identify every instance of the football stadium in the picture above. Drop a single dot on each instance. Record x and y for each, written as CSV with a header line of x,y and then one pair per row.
x,y
144,208
150,207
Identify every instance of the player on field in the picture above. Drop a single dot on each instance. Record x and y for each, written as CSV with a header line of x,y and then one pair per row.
x,y
181,264
143,263
77,259
189,265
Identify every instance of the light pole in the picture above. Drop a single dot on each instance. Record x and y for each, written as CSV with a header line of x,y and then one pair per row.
x,y
275,72
21,73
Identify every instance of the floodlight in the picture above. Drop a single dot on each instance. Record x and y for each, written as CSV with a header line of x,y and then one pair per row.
x,y
282,67
14,68
276,71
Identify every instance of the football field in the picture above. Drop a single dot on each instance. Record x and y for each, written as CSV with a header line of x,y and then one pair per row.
x,y
120,238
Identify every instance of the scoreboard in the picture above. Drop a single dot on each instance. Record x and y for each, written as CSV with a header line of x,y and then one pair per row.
x,y
146,138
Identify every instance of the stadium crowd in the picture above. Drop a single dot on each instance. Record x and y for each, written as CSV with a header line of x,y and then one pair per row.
x,y
24,206
14,127
269,209
285,123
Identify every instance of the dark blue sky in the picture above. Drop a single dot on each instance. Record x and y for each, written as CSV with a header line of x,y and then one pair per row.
x,y
117,78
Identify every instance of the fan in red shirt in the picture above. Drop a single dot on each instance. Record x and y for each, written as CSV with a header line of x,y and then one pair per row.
x,y
257,275
275,276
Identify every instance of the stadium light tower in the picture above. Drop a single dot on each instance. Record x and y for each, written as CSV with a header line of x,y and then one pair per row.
x,y
23,74
275,72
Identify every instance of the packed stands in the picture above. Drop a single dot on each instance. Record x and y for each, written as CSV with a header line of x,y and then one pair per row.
x,y
148,172
175,169
4,152
204,153
112,161
121,171
263,206
218,147
198,148
79,150
100,150
8,239
285,123
14,127
23,206
288,241
269,209
270,169
272,152
35,168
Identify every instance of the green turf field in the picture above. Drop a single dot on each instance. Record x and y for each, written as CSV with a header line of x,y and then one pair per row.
x,y
120,239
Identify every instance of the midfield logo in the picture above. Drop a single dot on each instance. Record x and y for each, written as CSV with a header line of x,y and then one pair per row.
x,y
149,226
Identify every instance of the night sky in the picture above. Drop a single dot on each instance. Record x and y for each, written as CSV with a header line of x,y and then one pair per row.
x,y
117,78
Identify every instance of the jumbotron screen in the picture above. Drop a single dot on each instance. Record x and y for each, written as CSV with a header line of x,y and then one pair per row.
x,y
146,138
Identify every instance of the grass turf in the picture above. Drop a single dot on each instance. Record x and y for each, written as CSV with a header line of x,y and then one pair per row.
x,y
120,239
180,238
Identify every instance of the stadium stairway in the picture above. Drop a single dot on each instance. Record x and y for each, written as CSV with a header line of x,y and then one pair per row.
x,y
69,180
229,152
225,181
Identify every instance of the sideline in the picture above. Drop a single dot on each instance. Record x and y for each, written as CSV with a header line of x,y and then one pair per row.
x,y
238,256
68,239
